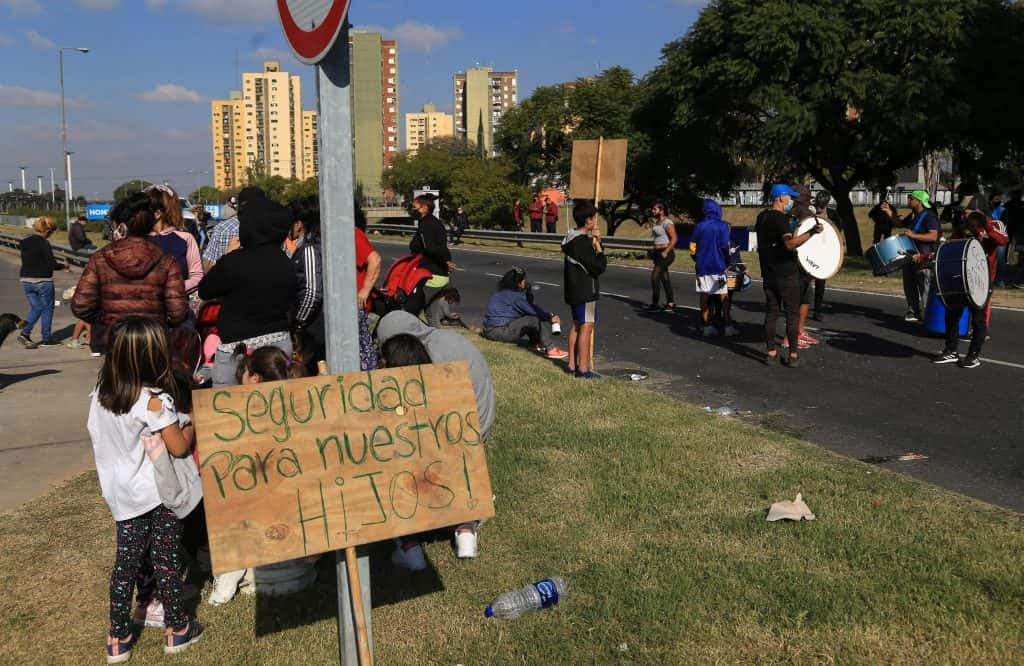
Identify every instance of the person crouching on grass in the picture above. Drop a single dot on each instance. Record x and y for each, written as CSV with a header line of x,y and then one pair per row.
x,y
132,402
584,263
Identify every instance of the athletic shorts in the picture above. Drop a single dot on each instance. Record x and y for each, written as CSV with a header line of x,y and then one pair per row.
x,y
585,313
806,289
712,284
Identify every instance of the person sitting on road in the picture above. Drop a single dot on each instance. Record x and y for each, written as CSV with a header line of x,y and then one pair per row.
x,y
440,312
709,246
511,315
442,347
77,238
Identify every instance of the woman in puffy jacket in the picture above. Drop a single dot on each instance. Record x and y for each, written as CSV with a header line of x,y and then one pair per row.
x,y
131,276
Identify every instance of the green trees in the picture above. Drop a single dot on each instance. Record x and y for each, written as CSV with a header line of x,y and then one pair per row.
x,y
124,190
847,92
484,187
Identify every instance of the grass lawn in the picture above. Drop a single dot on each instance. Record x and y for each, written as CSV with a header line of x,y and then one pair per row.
x,y
658,525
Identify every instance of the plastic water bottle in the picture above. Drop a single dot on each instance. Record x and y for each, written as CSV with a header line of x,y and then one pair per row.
x,y
543,594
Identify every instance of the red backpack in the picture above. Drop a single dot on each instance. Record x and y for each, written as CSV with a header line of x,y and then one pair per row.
x,y
403,280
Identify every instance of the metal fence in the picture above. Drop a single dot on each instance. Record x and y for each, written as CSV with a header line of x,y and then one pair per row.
x,y
610,242
61,251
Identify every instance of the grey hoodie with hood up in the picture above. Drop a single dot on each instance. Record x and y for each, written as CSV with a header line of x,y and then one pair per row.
x,y
445,346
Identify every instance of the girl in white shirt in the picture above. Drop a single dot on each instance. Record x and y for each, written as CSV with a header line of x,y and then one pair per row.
x,y
134,400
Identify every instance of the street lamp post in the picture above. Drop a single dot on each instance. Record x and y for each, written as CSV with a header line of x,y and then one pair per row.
x,y
64,133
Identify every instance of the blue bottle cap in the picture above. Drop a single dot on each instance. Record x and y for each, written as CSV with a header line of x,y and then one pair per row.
x,y
488,612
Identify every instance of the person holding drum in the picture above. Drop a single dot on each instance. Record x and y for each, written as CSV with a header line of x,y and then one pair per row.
x,y
803,209
780,270
992,235
924,231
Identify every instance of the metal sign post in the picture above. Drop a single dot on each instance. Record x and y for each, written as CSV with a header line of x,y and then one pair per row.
x,y
317,31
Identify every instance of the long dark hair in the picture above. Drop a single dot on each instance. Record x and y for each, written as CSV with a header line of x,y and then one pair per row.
x,y
136,213
510,281
138,356
270,364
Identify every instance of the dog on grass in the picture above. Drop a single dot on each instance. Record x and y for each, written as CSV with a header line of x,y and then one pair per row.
x,y
8,324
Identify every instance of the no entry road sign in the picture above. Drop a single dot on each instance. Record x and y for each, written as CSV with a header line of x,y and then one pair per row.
x,y
312,26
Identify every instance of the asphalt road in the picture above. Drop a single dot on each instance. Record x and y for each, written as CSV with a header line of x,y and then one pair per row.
x,y
867,390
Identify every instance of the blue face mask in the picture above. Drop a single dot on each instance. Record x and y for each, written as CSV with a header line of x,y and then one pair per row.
x,y
788,207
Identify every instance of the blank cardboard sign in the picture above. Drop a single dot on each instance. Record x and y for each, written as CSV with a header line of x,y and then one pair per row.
x,y
583,181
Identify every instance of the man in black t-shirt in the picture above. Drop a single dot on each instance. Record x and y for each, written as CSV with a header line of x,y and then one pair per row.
x,y
780,270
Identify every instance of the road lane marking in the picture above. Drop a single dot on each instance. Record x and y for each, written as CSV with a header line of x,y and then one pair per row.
x,y
608,293
547,284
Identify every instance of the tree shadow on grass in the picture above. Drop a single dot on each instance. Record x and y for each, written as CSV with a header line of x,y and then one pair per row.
x,y
389,584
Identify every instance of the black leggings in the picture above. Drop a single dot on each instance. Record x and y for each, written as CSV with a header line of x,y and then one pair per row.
x,y
782,294
979,328
660,276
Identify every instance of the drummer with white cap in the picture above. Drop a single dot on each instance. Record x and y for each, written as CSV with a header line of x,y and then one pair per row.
x,y
923,229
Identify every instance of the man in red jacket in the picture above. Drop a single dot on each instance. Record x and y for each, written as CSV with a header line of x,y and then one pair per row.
x,y
536,210
992,234
550,215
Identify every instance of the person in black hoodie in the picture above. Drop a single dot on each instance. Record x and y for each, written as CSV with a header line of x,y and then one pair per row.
x,y
584,262
431,243
256,285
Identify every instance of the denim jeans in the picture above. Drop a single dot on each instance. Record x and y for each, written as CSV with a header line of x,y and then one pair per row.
x,y
40,302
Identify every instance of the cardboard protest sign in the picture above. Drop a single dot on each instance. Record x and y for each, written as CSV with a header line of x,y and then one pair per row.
x,y
307,466
598,169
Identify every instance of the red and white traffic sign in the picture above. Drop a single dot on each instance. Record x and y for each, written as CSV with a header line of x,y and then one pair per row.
x,y
312,26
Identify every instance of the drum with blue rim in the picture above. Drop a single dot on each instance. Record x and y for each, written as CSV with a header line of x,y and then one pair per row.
x,y
891,255
961,273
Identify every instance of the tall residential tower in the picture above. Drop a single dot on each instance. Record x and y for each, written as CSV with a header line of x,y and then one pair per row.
x,y
421,128
375,116
482,97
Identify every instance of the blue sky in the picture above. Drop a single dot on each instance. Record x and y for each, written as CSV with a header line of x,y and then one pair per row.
x,y
138,103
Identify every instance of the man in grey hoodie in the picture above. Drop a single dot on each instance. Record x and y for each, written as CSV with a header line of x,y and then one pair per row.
x,y
444,346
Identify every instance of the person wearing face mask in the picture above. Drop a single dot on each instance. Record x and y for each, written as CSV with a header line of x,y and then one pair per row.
x,y
923,229
780,271
431,243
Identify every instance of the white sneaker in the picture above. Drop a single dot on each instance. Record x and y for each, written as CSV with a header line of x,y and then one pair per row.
x,y
708,331
412,559
225,586
465,545
248,584
731,331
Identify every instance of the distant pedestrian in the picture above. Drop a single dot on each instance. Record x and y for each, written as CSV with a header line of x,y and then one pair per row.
x,y
536,210
517,218
550,215
460,222
585,261
37,266
663,254
77,238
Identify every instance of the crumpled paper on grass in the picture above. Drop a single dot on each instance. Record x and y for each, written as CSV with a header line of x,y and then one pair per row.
x,y
786,510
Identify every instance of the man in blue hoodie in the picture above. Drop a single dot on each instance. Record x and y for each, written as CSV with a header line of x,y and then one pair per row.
x,y
709,246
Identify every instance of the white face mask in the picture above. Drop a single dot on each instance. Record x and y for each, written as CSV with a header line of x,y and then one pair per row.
x,y
789,206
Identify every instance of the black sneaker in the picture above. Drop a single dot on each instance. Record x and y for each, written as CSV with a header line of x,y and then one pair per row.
x,y
26,342
793,362
49,343
946,357
970,361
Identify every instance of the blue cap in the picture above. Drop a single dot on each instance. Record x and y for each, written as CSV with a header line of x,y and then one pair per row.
x,y
782,190
488,612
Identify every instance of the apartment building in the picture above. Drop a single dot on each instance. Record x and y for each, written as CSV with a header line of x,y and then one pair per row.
x,y
481,98
310,144
421,128
261,128
228,125
375,108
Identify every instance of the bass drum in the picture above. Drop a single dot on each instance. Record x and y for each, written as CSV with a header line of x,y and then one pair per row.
x,y
961,273
822,255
